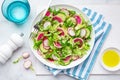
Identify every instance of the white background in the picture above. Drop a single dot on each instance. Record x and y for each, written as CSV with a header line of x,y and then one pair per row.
x,y
109,8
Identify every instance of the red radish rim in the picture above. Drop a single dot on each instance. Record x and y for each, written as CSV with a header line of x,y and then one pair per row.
x,y
67,59
47,13
78,19
44,44
80,40
51,60
62,31
58,19
57,44
40,36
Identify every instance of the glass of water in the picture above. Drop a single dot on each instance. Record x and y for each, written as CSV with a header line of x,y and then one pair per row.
x,y
16,11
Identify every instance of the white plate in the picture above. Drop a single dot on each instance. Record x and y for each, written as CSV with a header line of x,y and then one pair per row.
x,y
74,63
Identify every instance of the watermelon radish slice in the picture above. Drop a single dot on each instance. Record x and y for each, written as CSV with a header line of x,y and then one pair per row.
x,y
71,32
67,59
65,11
78,19
80,41
62,33
58,19
50,59
40,36
57,44
46,24
54,57
47,13
45,43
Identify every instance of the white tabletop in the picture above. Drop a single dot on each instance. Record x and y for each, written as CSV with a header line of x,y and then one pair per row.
x,y
11,71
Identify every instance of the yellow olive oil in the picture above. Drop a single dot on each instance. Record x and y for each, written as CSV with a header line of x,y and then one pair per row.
x,y
111,58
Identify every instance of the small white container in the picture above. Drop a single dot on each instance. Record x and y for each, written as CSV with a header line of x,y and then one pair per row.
x,y
115,68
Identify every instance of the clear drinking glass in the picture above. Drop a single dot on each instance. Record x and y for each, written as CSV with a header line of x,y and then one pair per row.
x,y
16,11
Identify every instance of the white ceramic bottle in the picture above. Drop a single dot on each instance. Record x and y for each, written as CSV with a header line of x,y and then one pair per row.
x,y
7,49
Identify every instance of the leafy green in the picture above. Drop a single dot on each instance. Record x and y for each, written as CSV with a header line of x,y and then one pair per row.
x,y
37,44
17,60
72,12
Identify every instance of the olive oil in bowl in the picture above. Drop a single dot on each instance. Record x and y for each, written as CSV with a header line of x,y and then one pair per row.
x,y
111,59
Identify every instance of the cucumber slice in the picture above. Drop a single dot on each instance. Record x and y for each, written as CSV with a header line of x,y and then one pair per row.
x,y
42,48
71,22
87,33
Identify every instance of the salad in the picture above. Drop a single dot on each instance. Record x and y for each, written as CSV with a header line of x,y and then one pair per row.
x,y
63,36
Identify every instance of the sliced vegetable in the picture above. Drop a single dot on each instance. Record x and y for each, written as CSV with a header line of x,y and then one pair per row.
x,y
79,42
40,36
71,32
50,59
84,33
45,43
79,26
62,16
67,59
47,13
39,52
78,19
54,57
58,19
57,44
65,11
47,24
43,49
74,57
71,22
61,31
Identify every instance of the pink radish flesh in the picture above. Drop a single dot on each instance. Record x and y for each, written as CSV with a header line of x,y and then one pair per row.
x,y
78,19
40,36
61,32
47,13
51,60
79,40
45,43
57,44
58,19
67,59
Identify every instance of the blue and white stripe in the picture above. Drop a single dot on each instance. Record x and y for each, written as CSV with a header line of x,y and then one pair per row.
x,y
101,28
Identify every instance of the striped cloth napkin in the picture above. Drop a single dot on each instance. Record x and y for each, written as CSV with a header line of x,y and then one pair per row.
x,y
102,29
